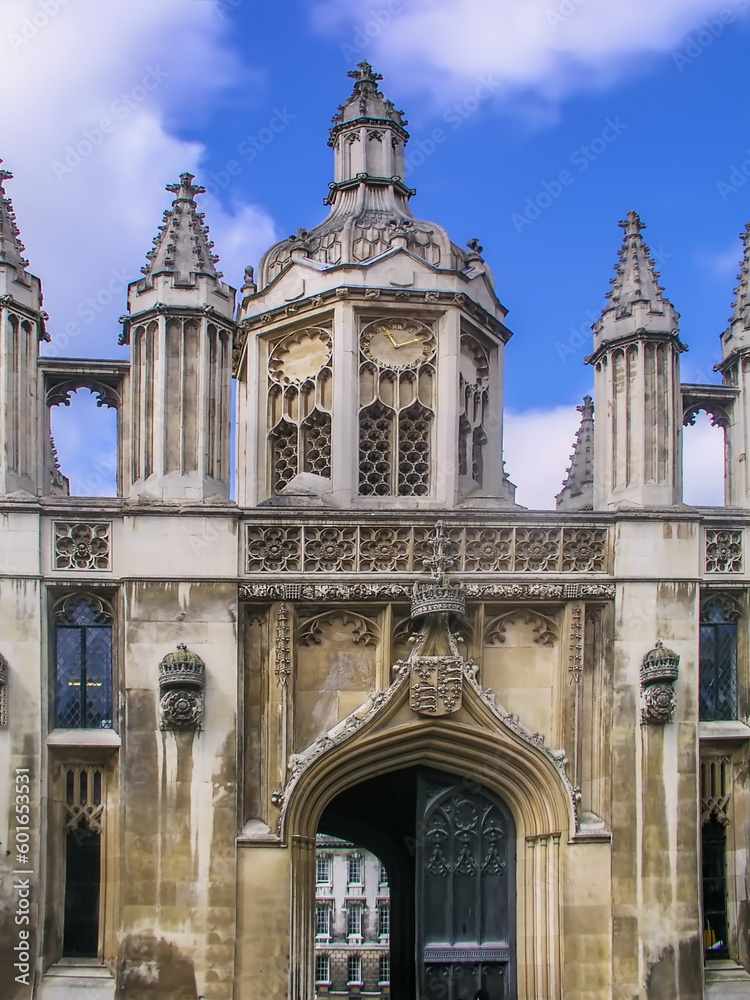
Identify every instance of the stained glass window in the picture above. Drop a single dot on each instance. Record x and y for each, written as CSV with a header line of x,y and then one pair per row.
x,y
83,664
718,661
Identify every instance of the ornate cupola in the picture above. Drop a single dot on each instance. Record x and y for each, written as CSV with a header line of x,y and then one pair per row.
x,y
180,328
22,327
352,327
638,439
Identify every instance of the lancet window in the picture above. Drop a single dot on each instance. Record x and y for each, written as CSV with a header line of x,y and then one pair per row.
x,y
83,663
718,658
299,406
473,403
397,407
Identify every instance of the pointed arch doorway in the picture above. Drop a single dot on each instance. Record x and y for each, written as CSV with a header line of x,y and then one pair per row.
x,y
449,847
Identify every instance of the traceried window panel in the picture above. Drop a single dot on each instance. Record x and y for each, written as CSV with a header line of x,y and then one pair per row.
x,y
474,375
300,399
397,407
83,663
718,658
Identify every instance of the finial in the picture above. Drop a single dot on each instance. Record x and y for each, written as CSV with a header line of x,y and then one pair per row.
x,y
475,246
587,410
186,190
365,79
5,175
439,562
632,224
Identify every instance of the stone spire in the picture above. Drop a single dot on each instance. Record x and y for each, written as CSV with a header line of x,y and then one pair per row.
x,y
578,489
637,302
737,335
11,247
182,247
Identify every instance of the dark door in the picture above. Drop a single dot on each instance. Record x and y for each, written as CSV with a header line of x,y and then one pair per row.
x,y
81,928
714,889
465,891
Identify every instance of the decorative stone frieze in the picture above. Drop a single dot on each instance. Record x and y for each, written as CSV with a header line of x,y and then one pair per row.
x,y
82,545
659,671
723,550
382,548
403,591
3,691
182,679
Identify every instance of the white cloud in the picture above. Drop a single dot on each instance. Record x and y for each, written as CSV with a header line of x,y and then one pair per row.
x,y
88,195
538,444
544,47
537,447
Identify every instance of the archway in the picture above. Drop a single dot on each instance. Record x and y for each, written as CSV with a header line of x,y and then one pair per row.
x,y
485,746
449,846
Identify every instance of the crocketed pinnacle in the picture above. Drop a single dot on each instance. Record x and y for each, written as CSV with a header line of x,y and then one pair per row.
x,y
738,333
636,301
578,489
11,247
182,246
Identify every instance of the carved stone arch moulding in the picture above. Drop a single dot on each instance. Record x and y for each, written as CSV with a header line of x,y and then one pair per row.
x,y
106,395
365,630
545,629
491,748
718,414
729,604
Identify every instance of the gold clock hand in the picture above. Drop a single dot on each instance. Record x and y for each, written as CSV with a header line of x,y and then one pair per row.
x,y
389,335
405,343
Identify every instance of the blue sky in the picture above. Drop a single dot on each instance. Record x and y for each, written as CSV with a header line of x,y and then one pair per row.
x,y
536,125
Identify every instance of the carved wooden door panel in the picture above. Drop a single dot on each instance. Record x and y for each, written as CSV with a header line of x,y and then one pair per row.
x,y
465,891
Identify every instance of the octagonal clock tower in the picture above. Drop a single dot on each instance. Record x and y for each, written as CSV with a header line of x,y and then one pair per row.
x,y
370,353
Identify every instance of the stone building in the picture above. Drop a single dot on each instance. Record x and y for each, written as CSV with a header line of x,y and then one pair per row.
x,y
536,720
352,921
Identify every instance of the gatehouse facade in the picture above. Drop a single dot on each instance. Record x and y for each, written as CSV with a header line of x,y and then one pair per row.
x,y
536,720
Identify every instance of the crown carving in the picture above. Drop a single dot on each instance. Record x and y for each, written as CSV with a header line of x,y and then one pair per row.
x,y
660,664
182,669
431,598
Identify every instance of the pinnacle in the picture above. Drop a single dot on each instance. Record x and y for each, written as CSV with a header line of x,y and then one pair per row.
x,y
366,101
11,247
182,246
637,304
741,305
578,489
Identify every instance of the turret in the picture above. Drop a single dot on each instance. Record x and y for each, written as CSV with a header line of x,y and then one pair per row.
x,y
638,439
180,328
22,326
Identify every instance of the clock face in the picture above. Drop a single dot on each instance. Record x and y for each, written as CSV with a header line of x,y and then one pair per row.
x,y
300,356
398,343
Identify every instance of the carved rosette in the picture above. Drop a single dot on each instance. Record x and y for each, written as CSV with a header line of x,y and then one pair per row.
x,y
182,680
659,671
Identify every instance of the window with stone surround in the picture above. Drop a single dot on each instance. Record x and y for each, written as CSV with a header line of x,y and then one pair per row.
x,y
718,658
354,920
323,869
83,662
384,969
354,970
300,384
323,920
322,969
384,919
397,386
356,869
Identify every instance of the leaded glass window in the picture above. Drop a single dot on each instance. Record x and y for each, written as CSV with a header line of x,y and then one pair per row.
x,y
83,663
718,660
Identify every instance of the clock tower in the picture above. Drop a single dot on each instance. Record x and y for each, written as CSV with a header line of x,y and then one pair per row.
x,y
369,356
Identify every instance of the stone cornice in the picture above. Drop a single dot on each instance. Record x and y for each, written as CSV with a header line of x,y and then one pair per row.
x,y
508,590
370,296
639,337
